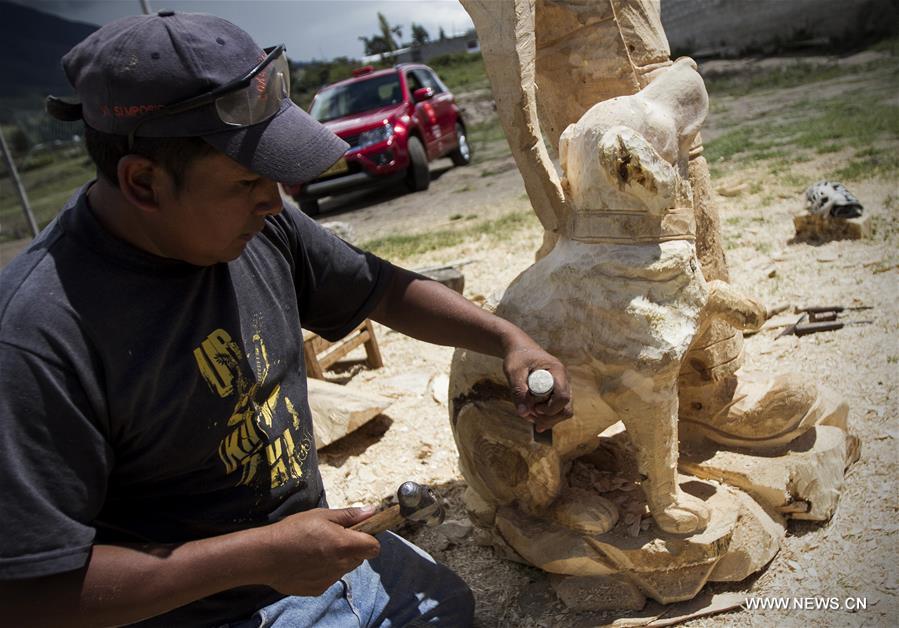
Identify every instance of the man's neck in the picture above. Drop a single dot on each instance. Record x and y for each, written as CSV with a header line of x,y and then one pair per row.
x,y
119,217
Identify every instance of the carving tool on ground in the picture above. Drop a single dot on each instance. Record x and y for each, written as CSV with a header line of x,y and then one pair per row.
x,y
819,313
789,329
819,309
826,325
416,503
822,318
540,386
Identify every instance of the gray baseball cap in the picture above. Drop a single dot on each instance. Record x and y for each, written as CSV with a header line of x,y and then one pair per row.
x,y
131,73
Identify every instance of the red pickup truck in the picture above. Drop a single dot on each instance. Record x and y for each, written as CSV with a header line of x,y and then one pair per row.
x,y
396,121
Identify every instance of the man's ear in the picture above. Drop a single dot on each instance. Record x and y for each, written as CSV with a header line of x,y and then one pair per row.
x,y
139,181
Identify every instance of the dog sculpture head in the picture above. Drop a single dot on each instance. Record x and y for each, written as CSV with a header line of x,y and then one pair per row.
x,y
630,153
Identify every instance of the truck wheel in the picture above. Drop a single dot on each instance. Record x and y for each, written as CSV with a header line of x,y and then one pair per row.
x,y
418,176
309,206
462,155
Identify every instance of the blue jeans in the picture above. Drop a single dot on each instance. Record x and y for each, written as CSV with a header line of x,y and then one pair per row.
x,y
403,586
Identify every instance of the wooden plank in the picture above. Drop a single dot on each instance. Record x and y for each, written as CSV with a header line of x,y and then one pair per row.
x,y
341,350
313,368
371,347
338,410
319,344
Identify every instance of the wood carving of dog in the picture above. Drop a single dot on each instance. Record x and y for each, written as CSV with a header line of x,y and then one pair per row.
x,y
617,300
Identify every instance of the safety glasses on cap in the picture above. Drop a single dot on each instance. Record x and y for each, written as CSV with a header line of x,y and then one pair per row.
x,y
254,98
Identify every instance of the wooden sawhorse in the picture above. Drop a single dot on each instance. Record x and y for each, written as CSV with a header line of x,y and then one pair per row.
x,y
319,353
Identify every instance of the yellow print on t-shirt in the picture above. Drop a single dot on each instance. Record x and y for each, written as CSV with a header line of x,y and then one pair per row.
x,y
257,442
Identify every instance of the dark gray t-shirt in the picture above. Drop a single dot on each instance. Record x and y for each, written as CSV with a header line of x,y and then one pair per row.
x,y
147,399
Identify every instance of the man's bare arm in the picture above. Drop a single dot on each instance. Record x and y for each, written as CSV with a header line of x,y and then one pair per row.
x,y
302,555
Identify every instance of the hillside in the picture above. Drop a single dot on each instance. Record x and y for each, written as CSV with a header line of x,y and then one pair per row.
x,y
33,43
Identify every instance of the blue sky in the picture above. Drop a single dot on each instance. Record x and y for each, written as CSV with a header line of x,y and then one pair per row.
x,y
311,28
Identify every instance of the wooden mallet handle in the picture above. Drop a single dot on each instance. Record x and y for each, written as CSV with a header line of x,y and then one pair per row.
x,y
540,386
380,521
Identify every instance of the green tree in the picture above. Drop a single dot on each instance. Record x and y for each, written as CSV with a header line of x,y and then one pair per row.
x,y
442,34
388,31
384,41
375,45
420,35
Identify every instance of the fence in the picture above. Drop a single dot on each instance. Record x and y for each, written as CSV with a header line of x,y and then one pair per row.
x,y
50,158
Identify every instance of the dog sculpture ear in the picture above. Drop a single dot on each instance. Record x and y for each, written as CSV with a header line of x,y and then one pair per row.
x,y
630,162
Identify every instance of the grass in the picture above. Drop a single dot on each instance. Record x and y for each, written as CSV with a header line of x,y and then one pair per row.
x,y
763,247
871,128
746,141
855,120
862,124
793,180
770,79
827,148
402,246
818,128
47,188
461,72
884,163
889,46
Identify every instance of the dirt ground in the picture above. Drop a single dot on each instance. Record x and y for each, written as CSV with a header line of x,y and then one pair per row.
x,y
853,555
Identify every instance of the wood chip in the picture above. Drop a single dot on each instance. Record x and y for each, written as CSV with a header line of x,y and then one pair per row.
x,y
703,605
732,190
718,603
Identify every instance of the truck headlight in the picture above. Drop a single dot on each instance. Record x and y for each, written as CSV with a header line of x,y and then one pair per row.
x,y
374,136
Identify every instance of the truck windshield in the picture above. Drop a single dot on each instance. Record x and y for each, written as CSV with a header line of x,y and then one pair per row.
x,y
356,97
